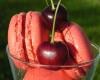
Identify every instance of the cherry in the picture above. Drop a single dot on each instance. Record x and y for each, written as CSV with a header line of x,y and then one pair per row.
x,y
48,14
52,53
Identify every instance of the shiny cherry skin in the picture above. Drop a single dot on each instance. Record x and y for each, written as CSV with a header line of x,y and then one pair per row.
x,y
48,14
52,54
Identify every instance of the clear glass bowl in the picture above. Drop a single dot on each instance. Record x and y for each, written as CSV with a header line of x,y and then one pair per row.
x,y
30,71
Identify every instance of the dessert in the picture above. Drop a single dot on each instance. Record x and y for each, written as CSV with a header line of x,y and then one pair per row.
x,y
25,33
79,48
29,42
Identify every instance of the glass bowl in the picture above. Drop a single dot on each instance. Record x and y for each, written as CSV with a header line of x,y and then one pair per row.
x,y
32,71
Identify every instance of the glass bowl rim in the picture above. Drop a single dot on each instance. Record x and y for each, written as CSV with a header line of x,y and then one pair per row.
x,y
87,63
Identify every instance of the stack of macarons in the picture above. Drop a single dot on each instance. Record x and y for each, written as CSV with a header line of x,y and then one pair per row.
x,y
27,31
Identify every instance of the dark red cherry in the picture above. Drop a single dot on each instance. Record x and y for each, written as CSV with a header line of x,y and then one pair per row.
x,y
48,14
52,54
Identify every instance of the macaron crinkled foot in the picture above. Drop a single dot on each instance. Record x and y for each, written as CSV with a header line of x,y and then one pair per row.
x,y
26,31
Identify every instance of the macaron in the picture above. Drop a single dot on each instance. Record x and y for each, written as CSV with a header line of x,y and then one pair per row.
x,y
26,31
78,42
79,49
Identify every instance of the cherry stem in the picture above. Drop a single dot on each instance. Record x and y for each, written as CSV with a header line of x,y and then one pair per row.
x,y
54,21
52,4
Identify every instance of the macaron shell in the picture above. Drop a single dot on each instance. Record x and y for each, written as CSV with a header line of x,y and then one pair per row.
x,y
11,35
35,33
16,36
45,74
78,43
16,42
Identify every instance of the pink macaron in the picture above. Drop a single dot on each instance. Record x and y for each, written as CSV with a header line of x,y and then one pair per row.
x,y
26,31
